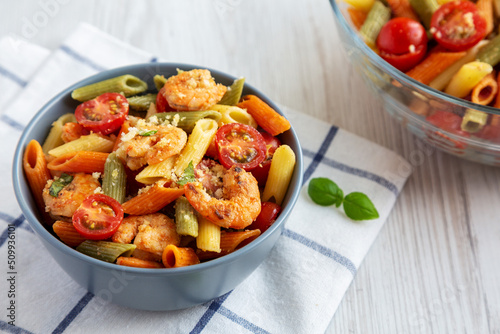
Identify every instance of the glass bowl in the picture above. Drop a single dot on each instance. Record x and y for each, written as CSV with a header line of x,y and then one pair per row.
x,y
410,101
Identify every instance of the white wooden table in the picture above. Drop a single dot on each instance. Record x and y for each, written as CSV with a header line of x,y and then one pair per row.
x,y
435,266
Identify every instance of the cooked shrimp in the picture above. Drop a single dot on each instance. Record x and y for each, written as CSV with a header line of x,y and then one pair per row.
x,y
151,233
193,90
150,144
240,202
70,197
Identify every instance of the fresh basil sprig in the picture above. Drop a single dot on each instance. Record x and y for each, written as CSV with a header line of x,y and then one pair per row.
x,y
59,184
146,133
188,175
357,206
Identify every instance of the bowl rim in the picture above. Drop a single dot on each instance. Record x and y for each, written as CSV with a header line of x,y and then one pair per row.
x,y
43,232
401,76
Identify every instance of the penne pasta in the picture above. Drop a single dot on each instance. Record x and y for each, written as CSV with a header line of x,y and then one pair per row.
x,y
153,199
67,233
424,10
266,117
433,65
365,5
233,114
358,16
186,120
141,102
175,257
467,78
208,236
474,120
485,7
105,250
185,218
197,145
233,93
160,171
280,174
485,91
229,242
402,8
92,142
126,84
79,162
54,138
378,15
37,173
137,263
114,181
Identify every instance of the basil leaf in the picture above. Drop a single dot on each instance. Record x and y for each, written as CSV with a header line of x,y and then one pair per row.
x,y
145,133
59,184
188,175
358,206
324,191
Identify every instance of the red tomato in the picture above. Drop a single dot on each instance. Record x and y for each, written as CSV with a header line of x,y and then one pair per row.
x,y
98,217
268,214
240,145
161,102
490,132
262,170
458,25
402,42
447,121
104,114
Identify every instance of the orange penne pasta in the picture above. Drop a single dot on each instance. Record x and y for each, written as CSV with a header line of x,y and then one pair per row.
x,y
266,117
497,98
402,8
433,65
79,162
67,233
37,173
357,16
229,241
138,263
485,91
485,7
174,257
152,200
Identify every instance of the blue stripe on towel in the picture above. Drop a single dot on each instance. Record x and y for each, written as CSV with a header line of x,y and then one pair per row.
x,y
319,156
7,328
11,76
75,55
68,319
5,234
240,321
355,171
340,259
154,60
209,313
12,123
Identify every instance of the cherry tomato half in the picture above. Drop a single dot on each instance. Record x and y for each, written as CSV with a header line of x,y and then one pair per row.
x,y
402,42
268,214
240,145
458,25
104,114
98,217
262,170
447,121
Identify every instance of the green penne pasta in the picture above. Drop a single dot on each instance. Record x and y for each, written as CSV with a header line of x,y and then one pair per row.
x,y
490,53
187,119
377,17
92,142
159,81
54,139
185,218
127,85
141,102
114,179
474,120
105,250
424,10
233,93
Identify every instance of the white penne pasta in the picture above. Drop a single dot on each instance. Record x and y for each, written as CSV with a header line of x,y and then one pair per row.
x,y
208,236
444,77
361,4
152,173
197,145
92,142
233,114
467,78
54,139
280,174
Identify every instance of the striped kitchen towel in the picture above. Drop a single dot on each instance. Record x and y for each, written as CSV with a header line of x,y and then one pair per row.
x,y
296,290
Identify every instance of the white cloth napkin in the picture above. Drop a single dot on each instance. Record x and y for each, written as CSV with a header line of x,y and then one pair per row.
x,y
296,290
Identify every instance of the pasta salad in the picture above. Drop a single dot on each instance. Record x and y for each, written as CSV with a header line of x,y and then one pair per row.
x,y
173,178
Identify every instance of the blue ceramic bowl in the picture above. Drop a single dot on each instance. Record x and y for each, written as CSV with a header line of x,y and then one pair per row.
x,y
149,289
